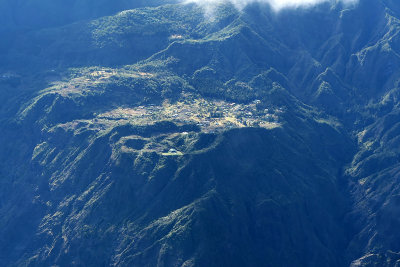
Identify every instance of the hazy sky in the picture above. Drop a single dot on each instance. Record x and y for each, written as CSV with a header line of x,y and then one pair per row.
x,y
276,4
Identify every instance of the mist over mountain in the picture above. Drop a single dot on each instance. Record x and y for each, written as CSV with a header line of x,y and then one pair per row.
x,y
275,4
147,133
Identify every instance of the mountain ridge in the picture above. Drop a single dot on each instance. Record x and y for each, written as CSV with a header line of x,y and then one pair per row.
x,y
160,137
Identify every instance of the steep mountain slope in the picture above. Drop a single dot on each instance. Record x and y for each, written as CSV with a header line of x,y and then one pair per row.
x,y
159,136
34,14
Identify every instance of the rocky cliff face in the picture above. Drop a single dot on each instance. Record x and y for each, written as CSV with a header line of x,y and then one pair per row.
x,y
160,136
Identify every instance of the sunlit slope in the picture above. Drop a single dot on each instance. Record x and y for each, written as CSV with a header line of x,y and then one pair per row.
x,y
163,136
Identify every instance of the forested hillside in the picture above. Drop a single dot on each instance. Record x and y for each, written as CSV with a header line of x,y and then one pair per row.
x,y
154,133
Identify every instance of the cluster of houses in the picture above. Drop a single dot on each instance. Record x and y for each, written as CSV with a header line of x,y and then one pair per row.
x,y
209,115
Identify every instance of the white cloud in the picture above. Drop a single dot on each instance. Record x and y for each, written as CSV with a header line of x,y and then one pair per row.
x,y
275,4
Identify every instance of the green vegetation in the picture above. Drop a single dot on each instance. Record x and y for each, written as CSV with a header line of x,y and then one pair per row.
x,y
158,136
